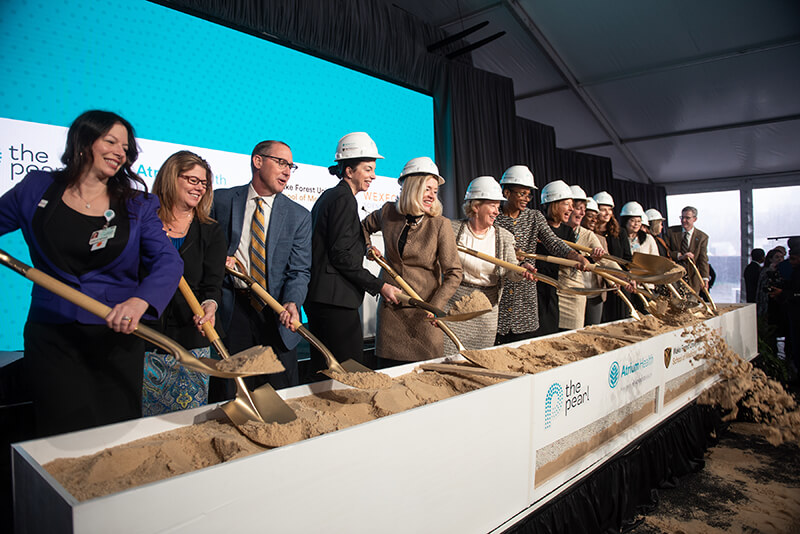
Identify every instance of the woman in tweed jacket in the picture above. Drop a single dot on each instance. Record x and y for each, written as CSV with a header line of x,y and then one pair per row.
x,y
519,314
419,244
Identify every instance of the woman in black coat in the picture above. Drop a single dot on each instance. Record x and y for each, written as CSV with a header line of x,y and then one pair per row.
x,y
184,187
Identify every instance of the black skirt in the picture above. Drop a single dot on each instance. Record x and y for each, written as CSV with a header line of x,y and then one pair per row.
x,y
82,376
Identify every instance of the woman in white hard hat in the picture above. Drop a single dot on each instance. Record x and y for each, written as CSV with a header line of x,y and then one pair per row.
x,y
419,244
594,305
557,207
656,227
478,232
338,277
638,239
518,316
618,245
572,307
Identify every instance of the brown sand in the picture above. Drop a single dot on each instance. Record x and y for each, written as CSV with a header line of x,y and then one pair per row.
x,y
213,442
745,388
474,302
257,359
361,380
745,486
198,446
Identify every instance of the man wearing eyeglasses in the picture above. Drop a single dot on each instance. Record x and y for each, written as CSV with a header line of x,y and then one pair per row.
x,y
687,242
270,235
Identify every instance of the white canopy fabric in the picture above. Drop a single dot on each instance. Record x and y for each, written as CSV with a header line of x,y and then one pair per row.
x,y
672,91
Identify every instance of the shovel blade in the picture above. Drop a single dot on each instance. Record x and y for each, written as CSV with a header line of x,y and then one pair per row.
x,y
271,408
352,366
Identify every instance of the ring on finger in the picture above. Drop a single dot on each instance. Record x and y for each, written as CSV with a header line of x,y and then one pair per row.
x,y
126,318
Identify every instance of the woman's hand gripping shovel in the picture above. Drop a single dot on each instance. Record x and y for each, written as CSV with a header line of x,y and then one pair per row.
x,y
263,404
203,365
349,372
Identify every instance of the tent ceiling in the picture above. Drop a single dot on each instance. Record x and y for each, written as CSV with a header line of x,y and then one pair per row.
x,y
670,91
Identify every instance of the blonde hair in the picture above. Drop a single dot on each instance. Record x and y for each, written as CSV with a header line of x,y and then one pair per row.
x,y
166,185
470,207
410,200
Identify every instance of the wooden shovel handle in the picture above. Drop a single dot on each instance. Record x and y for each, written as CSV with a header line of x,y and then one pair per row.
x,y
197,309
584,248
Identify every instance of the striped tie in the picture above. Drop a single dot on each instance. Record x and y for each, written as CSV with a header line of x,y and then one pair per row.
x,y
685,243
258,252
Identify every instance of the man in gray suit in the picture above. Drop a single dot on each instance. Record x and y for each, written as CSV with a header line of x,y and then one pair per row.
x,y
283,265
687,242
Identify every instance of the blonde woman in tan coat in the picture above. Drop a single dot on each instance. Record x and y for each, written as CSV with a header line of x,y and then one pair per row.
x,y
419,244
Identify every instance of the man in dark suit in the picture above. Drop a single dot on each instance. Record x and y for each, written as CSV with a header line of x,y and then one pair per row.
x,y
687,242
258,219
751,273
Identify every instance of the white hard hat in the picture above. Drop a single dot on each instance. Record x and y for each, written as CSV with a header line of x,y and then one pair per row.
x,y
555,191
484,188
356,145
577,192
645,220
632,209
518,175
604,198
420,165
654,215
591,204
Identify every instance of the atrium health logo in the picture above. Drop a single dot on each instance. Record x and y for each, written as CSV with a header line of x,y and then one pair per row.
x,y
552,403
613,375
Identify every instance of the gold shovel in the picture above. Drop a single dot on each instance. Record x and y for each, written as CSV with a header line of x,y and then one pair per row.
x,y
643,265
697,272
580,291
378,258
439,313
600,271
263,404
341,372
203,365
671,275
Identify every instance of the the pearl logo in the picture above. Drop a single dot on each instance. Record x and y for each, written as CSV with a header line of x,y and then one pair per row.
x,y
613,375
552,403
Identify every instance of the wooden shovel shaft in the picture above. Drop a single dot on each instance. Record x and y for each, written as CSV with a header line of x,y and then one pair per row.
x,y
331,361
703,285
213,337
101,310
508,265
583,248
379,259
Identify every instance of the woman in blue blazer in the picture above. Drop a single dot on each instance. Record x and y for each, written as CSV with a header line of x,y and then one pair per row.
x,y
90,226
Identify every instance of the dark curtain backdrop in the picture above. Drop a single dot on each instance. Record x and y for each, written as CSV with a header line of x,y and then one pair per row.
x,y
476,128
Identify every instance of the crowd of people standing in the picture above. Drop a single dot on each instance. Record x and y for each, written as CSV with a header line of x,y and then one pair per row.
x,y
94,225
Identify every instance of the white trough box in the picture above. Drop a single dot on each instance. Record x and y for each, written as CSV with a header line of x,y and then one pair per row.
x,y
464,464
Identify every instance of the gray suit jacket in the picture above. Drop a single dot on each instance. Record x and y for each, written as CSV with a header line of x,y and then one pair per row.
x,y
288,251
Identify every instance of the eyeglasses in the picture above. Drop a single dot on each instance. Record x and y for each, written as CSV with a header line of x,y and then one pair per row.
x,y
193,180
521,194
687,217
282,163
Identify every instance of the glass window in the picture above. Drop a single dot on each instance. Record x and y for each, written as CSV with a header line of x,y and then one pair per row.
x,y
718,216
775,215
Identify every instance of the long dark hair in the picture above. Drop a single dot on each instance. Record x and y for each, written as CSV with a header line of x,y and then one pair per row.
x,y
640,234
84,131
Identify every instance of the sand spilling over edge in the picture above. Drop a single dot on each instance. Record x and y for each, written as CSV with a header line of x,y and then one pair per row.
x,y
474,302
257,359
747,390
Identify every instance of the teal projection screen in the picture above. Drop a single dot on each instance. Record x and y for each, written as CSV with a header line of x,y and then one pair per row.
x,y
183,82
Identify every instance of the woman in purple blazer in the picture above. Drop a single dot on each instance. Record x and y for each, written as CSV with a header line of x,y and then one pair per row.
x,y
90,226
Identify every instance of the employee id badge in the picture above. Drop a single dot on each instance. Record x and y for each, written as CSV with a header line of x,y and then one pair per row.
x,y
100,237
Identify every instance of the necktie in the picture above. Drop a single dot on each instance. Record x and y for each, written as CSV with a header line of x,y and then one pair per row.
x,y
258,252
685,243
